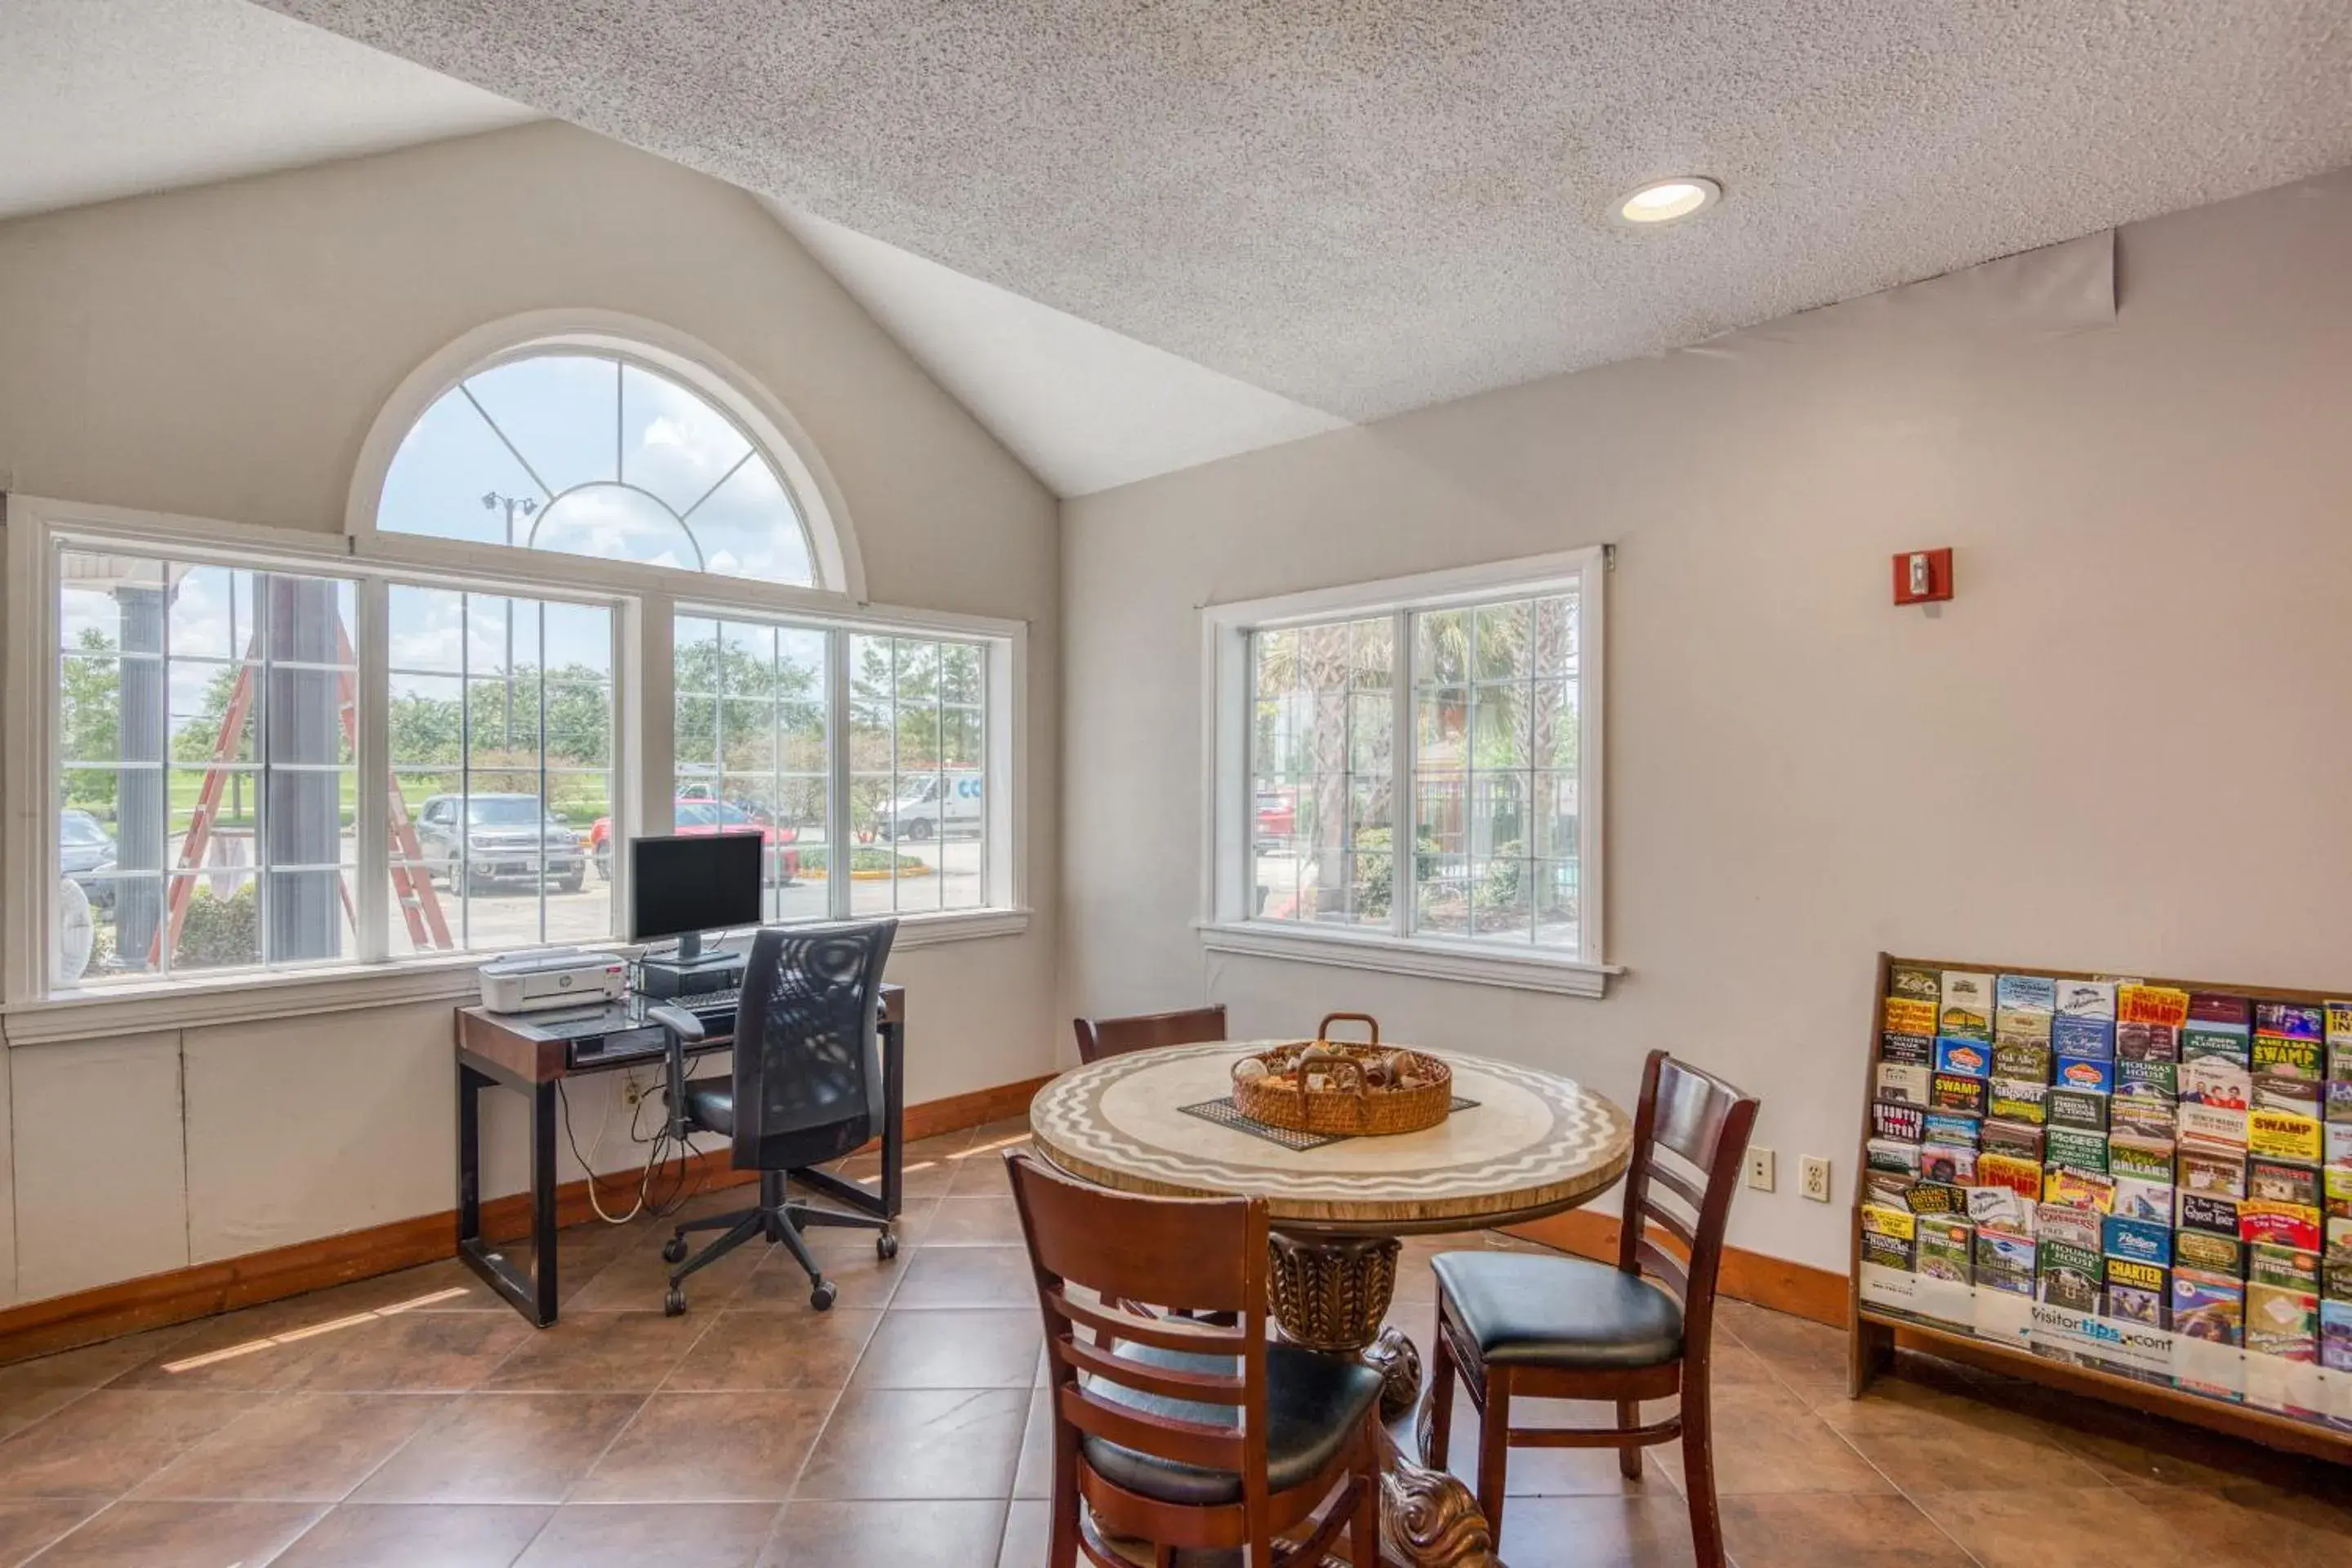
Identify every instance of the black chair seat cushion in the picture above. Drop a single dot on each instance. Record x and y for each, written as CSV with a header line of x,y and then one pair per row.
x,y
1314,1404
1523,1309
710,1104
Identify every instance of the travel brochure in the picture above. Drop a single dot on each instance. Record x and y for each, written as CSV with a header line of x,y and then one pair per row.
x,y
2159,1177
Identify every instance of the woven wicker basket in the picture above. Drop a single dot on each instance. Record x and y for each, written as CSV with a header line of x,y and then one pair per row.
x,y
1344,1088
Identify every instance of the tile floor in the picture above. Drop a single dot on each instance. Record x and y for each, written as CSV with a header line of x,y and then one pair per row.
x,y
414,1420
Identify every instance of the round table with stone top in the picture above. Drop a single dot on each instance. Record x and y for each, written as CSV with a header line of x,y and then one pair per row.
x,y
1533,1144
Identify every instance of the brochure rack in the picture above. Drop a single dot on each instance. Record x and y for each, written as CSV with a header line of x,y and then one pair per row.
x,y
2121,1285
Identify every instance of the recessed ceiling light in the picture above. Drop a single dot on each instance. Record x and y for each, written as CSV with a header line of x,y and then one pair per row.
x,y
1662,201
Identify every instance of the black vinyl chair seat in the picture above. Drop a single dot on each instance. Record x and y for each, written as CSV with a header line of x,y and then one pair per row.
x,y
1524,1308
710,1104
1314,1405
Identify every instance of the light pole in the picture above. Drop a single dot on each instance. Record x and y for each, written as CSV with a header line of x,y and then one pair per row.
x,y
515,506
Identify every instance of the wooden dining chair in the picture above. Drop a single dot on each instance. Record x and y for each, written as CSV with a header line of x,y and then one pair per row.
x,y
1178,1431
1563,1327
1100,1038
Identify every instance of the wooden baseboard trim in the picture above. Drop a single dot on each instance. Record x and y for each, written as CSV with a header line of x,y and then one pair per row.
x,y
157,1300
1775,1282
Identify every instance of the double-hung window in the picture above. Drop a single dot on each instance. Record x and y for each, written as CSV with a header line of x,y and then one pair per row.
x,y
1407,775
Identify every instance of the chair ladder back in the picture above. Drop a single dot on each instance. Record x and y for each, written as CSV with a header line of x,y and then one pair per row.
x,y
1699,1119
1199,1255
1100,1038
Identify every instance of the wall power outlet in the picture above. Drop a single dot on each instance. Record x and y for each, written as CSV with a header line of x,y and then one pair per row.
x,y
1759,1168
1813,1177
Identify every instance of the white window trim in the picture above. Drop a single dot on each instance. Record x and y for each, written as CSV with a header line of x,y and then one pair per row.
x,y
1226,922
643,598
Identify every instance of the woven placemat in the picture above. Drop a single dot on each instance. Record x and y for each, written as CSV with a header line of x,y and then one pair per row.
x,y
1223,1112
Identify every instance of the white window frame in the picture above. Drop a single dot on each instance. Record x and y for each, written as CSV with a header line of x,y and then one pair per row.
x,y
645,600
1227,921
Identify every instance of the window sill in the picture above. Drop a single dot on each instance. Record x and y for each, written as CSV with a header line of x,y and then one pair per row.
x,y
133,1008
1423,958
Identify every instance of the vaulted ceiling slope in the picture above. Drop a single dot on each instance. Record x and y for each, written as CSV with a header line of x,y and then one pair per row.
x,y
112,98
1367,206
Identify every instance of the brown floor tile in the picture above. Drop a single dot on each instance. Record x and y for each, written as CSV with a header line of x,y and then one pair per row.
x,y
26,1527
919,1182
891,1443
108,1441
22,1405
503,1447
1928,1441
599,1352
1798,1531
1797,1349
1595,1532
754,1350
968,1276
295,1447
980,1170
2304,1531
93,1366
780,1284
986,1221
239,1351
213,1534
953,1348
417,1535
1766,1440
2097,1527
1028,1532
652,1535
413,1352
847,1243
888,1535
637,1281
709,1447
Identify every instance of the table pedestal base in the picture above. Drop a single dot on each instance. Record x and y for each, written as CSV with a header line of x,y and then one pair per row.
x,y
1330,1293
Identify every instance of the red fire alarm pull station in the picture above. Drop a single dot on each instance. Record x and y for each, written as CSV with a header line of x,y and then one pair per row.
x,y
1923,577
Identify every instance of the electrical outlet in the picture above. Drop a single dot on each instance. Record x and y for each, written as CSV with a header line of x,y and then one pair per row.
x,y
1759,1168
632,1091
1815,1177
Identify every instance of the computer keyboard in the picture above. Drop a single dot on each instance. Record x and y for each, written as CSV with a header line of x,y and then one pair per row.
x,y
710,1008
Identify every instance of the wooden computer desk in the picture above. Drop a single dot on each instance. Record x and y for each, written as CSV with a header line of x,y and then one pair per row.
x,y
508,1049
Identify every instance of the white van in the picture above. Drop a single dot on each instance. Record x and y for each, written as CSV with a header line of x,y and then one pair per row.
x,y
935,808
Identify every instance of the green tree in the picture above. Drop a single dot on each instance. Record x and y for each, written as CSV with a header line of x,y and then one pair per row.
x,y
89,722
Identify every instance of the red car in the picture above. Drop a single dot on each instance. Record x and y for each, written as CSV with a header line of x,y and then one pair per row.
x,y
1278,815
697,818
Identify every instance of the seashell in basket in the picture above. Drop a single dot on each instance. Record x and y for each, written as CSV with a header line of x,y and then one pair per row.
x,y
1341,1088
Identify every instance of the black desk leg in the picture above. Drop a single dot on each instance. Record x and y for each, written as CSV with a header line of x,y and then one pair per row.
x,y
542,1202
534,1297
894,1118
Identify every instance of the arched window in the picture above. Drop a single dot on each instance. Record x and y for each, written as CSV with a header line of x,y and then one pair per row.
x,y
586,452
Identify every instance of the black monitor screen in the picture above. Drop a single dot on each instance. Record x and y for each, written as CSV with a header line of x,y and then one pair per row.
x,y
704,882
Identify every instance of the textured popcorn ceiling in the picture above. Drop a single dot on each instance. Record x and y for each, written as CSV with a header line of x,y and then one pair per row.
x,y
1370,205
112,98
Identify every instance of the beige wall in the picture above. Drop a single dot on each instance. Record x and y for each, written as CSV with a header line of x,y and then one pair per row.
x,y
2121,748
221,352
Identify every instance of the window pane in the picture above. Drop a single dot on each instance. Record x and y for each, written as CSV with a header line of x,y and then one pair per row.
x,y
203,791
1498,900
1322,721
587,455
1501,633
1441,655
1556,923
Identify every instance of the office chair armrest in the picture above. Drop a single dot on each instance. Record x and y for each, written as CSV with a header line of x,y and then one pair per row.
x,y
680,1028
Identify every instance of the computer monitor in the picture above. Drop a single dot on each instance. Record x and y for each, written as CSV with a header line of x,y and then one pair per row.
x,y
688,884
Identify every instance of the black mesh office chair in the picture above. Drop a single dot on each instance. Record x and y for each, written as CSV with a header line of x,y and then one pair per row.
x,y
807,1087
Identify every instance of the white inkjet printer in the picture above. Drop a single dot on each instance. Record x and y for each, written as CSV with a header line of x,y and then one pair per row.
x,y
560,977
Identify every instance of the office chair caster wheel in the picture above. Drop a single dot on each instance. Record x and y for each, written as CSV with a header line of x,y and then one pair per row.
x,y
822,1298
674,1249
673,1304
885,1246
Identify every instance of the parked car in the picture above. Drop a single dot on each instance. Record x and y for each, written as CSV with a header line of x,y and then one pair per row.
x,y
1277,816
695,817
933,808
502,840
86,854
